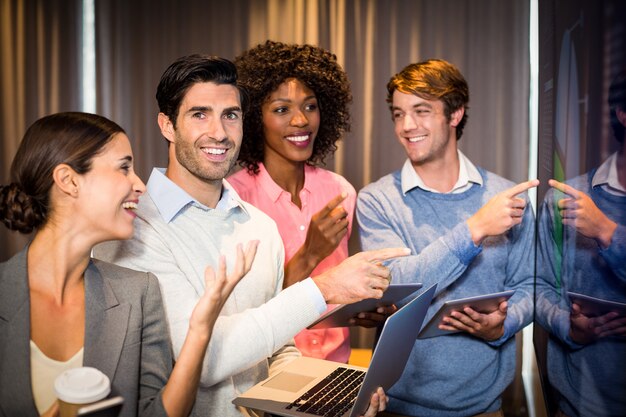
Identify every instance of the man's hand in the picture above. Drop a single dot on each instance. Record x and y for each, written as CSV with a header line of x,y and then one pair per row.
x,y
585,330
500,213
373,318
359,277
488,327
580,212
378,403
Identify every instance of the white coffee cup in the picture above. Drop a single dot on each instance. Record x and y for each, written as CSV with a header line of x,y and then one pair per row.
x,y
78,387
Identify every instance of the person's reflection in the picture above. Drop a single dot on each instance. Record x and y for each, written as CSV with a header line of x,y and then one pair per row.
x,y
582,249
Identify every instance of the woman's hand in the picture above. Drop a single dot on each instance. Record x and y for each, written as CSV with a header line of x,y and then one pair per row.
x,y
326,230
180,391
53,411
218,288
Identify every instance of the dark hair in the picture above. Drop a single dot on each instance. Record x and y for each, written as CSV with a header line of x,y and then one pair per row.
x,y
186,71
617,100
63,138
263,68
434,79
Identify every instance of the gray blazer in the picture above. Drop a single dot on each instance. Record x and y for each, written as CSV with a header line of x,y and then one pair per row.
x,y
126,337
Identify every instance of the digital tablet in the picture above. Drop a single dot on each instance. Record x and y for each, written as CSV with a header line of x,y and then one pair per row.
x,y
487,303
341,316
592,306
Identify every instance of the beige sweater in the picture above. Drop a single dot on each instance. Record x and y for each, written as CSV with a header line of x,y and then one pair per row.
x,y
257,324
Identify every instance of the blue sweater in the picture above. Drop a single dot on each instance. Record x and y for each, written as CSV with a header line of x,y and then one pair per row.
x,y
591,379
457,374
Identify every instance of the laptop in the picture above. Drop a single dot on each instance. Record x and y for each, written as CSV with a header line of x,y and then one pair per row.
x,y
317,387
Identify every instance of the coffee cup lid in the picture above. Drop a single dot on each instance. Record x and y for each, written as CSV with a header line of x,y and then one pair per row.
x,y
82,385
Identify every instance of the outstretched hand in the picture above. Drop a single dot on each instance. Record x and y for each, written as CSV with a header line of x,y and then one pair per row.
x,y
359,277
500,213
488,326
579,211
218,287
180,391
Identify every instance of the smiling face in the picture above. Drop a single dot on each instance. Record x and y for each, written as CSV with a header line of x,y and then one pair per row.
x,y
423,129
109,192
291,120
206,141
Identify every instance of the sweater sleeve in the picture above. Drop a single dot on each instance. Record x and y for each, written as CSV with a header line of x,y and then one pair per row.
x,y
442,261
288,351
239,340
615,254
520,275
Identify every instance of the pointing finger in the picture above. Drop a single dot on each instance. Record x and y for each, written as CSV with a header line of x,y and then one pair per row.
x,y
520,188
384,254
334,202
564,188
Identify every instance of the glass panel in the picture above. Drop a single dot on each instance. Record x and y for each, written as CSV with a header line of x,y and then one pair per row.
x,y
581,257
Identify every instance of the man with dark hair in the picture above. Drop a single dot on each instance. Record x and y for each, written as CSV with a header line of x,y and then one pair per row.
x,y
582,250
468,231
190,216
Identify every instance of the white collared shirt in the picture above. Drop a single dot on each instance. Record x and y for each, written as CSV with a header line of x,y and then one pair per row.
x,y
606,177
170,199
468,175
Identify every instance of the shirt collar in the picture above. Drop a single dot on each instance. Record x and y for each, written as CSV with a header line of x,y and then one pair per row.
x,y
468,173
266,182
274,191
606,174
170,199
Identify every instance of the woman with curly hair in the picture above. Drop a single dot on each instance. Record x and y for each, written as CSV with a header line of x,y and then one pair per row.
x,y
299,97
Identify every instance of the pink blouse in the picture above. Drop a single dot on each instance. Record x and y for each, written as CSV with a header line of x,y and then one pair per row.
x,y
320,186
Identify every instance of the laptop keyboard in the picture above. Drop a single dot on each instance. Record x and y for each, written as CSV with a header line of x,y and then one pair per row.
x,y
333,395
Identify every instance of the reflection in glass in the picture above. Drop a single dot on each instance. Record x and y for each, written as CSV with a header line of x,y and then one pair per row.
x,y
581,280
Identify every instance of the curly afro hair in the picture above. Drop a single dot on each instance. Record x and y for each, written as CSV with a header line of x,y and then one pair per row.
x,y
264,67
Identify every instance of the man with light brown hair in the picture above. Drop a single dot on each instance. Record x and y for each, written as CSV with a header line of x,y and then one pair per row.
x,y
468,232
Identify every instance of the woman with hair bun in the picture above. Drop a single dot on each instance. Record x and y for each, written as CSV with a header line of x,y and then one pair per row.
x,y
298,111
73,184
